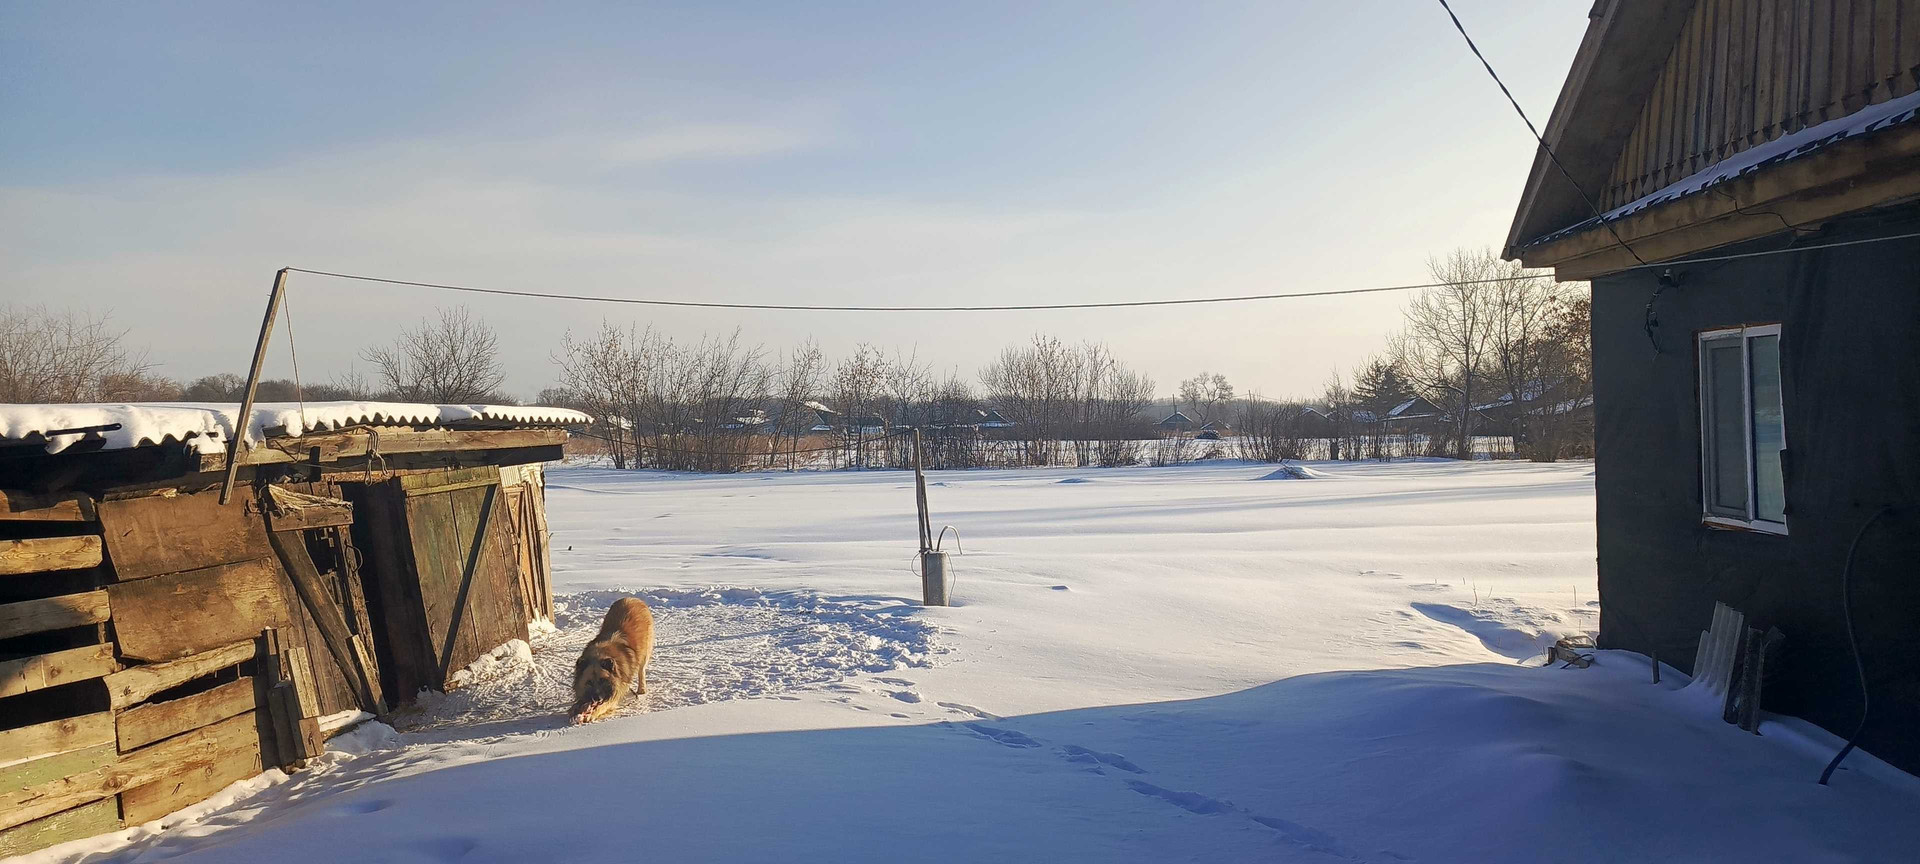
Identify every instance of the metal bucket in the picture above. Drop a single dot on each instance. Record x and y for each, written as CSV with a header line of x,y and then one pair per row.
x,y
934,578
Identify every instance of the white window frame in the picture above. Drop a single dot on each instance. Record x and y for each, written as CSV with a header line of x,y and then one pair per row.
x,y
1746,334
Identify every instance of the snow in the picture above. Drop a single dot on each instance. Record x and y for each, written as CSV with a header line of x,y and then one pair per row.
x,y
205,426
1155,664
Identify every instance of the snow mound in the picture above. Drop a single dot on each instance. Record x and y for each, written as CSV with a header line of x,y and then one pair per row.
x,y
1509,628
710,645
1291,472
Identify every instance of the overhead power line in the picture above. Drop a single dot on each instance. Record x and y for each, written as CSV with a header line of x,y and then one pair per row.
x,y
1591,206
1117,304
801,307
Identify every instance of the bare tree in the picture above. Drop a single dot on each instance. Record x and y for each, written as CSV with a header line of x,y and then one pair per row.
x,y
1034,386
794,388
71,355
452,359
604,376
1204,391
1449,332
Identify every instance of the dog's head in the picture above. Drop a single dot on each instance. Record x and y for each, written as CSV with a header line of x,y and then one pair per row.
x,y
594,687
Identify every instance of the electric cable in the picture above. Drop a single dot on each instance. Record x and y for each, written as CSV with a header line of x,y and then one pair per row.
x,y
1853,642
1555,159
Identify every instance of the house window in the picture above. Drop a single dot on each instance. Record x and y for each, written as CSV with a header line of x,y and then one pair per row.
x,y
1742,433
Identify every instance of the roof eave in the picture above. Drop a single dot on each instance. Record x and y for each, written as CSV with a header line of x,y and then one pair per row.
x,y
1847,177
1626,45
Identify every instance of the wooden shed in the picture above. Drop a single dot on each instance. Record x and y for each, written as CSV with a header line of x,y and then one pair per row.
x,y
157,645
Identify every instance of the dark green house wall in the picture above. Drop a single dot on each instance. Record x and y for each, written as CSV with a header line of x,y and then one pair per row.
x,y
1850,358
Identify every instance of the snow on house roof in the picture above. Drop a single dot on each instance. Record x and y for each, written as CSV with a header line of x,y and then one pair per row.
x,y
1865,121
206,426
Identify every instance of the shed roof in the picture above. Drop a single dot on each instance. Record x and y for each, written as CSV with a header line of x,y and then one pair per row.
x,y
205,427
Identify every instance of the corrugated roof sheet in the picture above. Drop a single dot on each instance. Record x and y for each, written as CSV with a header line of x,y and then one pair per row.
x,y
206,426
1812,139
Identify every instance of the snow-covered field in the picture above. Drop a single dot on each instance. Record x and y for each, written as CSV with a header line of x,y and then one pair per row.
x,y
1148,664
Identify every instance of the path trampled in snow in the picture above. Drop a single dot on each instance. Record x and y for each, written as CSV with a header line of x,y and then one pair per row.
x,y
711,645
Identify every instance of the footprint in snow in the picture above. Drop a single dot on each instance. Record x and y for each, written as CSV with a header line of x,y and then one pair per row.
x,y
1007,737
968,709
1077,753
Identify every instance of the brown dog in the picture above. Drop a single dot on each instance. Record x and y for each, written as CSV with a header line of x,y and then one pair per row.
x,y
615,657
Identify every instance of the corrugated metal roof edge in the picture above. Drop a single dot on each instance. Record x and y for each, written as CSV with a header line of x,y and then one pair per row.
x,y
1866,121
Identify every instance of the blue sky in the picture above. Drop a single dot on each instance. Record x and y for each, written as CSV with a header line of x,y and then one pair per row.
x,y
161,160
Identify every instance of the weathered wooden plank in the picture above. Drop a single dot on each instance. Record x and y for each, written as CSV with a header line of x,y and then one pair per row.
x,y
299,666
172,616
33,772
168,534
327,617
292,510
135,685
55,736
543,558
143,804
48,554
86,820
353,444
297,737
138,727
41,671
52,613
449,481
18,506
138,768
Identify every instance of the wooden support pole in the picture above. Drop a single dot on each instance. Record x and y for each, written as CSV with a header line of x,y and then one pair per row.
x,y
237,440
920,495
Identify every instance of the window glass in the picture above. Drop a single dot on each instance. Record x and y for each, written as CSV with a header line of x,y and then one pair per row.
x,y
1769,433
1726,432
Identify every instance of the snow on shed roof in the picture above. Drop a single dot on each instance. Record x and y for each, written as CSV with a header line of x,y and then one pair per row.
x,y
205,426
1865,121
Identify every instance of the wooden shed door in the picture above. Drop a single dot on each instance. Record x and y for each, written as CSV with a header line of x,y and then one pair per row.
x,y
465,561
524,490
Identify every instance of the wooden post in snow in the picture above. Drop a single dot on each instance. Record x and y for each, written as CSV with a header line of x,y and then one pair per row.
x,y
920,495
238,438
933,563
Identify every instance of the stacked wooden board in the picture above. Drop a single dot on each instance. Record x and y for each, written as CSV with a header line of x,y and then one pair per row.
x,y
113,719
157,645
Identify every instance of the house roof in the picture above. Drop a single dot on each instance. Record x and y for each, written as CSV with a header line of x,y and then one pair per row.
x,y
1620,58
1621,62
1176,417
205,427
1866,121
